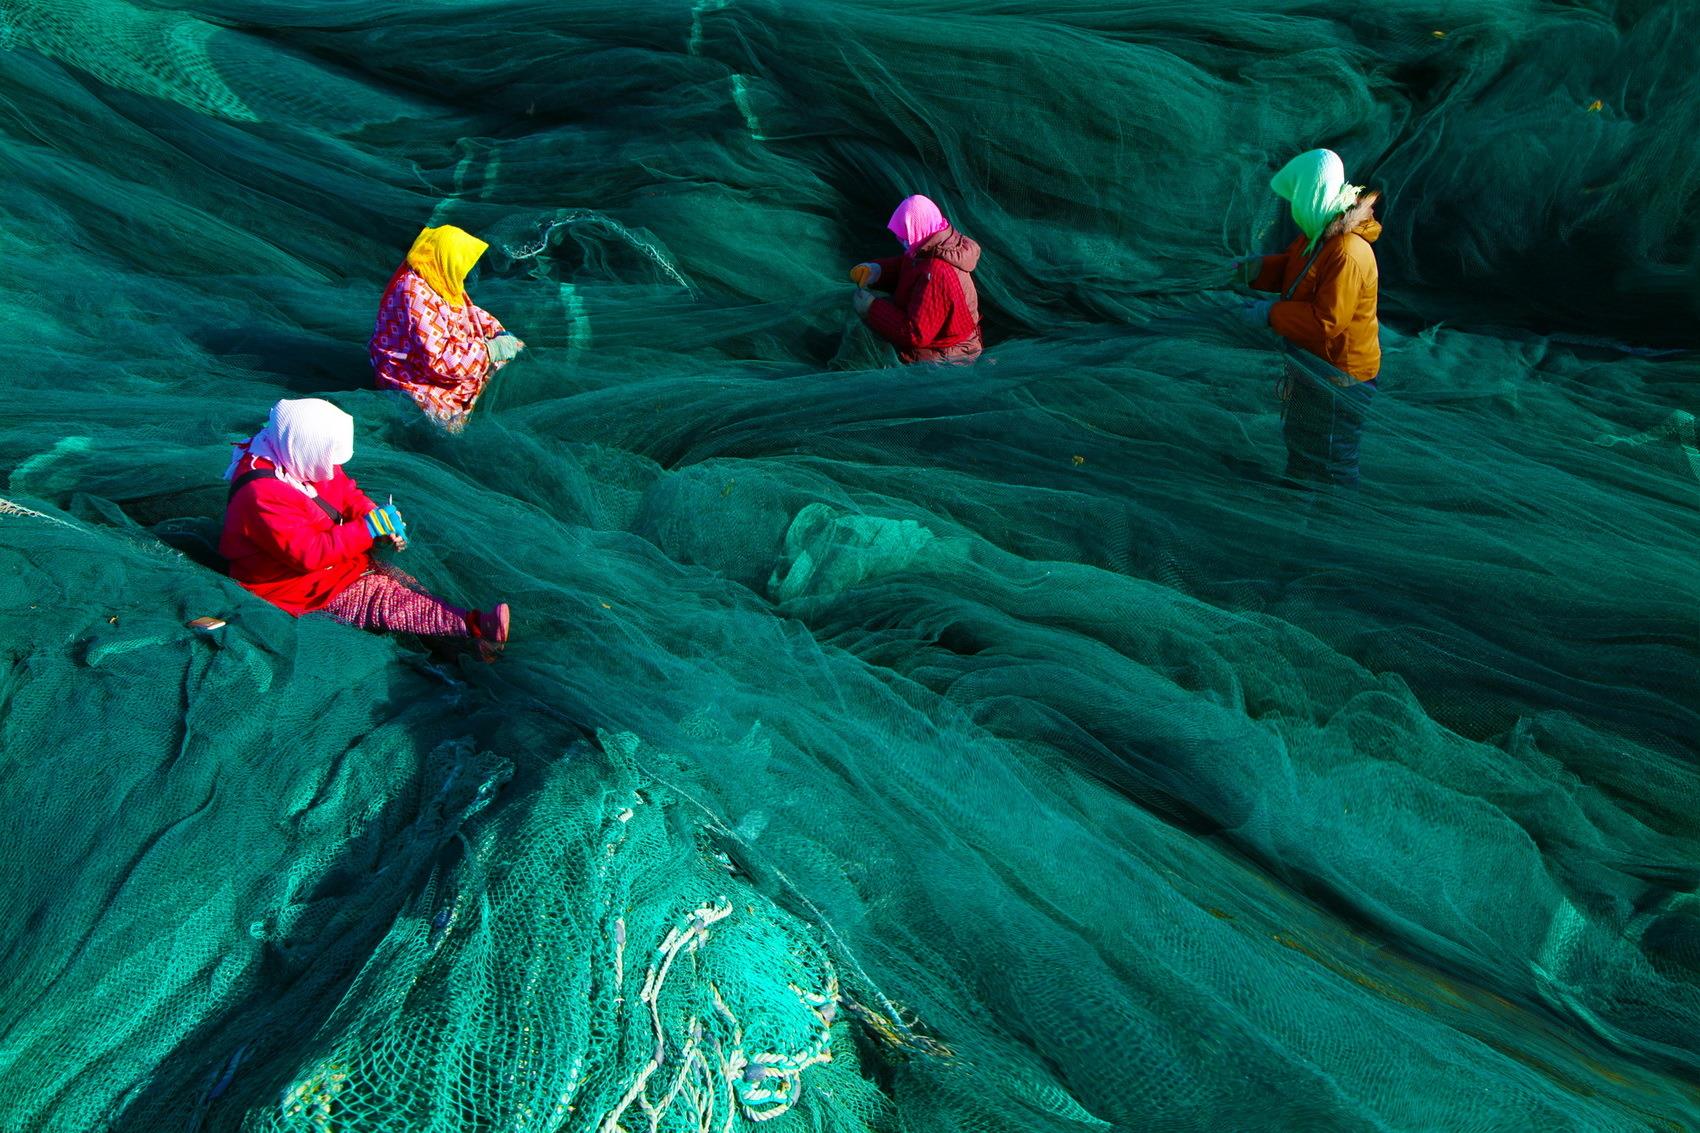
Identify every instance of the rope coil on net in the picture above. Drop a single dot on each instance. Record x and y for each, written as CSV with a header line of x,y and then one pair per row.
x,y
718,1077
713,1030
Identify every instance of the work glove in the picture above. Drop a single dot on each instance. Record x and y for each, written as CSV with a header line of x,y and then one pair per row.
x,y
386,523
503,348
862,300
1256,312
865,275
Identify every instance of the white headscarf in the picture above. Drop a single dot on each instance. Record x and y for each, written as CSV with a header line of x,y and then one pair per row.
x,y
1315,183
307,439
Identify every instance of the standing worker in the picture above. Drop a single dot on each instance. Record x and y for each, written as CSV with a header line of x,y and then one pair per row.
x,y
933,314
431,341
1328,283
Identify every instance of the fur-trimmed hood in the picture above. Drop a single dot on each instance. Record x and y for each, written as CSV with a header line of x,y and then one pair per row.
x,y
952,247
1360,218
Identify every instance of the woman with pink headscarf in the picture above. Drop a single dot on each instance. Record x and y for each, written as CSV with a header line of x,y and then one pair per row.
x,y
933,314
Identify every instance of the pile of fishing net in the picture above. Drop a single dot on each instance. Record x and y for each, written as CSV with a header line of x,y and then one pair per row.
x,y
981,748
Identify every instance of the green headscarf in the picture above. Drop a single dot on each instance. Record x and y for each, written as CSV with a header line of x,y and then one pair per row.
x,y
1315,183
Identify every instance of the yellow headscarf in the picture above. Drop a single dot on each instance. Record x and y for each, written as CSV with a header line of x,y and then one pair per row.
x,y
442,257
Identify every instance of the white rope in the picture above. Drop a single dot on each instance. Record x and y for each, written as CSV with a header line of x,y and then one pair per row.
x,y
626,745
711,1078
695,931
7,507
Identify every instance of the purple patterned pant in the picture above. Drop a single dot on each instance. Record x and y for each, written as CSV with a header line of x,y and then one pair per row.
x,y
391,599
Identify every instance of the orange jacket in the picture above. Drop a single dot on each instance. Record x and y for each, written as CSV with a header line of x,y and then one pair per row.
x,y
1332,313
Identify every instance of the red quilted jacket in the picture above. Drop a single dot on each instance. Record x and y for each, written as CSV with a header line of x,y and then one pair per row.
x,y
933,314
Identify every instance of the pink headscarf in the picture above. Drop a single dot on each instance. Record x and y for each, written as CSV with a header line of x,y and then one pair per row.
x,y
916,219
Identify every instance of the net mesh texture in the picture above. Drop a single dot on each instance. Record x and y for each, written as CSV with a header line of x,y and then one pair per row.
x,y
986,748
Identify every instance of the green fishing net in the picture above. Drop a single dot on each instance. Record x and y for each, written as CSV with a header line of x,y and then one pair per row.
x,y
987,748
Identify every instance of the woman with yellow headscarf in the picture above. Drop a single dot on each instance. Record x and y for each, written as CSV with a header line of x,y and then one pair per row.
x,y
431,340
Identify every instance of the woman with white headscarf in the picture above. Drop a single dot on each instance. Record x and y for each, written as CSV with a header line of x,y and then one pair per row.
x,y
1329,287
299,532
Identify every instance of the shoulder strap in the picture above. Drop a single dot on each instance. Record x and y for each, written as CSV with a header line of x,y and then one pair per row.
x,y
329,509
1304,271
249,477
253,474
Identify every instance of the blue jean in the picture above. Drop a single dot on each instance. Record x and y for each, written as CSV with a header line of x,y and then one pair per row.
x,y
1322,425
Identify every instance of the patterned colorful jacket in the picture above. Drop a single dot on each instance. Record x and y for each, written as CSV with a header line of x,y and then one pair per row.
x,y
432,351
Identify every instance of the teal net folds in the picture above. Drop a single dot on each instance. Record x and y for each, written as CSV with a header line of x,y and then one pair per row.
x,y
880,749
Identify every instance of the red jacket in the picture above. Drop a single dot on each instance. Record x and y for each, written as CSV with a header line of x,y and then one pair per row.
x,y
284,547
933,314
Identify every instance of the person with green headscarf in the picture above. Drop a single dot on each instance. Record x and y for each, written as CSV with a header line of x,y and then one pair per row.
x,y
431,341
1329,286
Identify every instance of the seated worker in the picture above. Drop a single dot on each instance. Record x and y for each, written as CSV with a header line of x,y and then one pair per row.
x,y
431,341
933,314
1330,287
298,532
